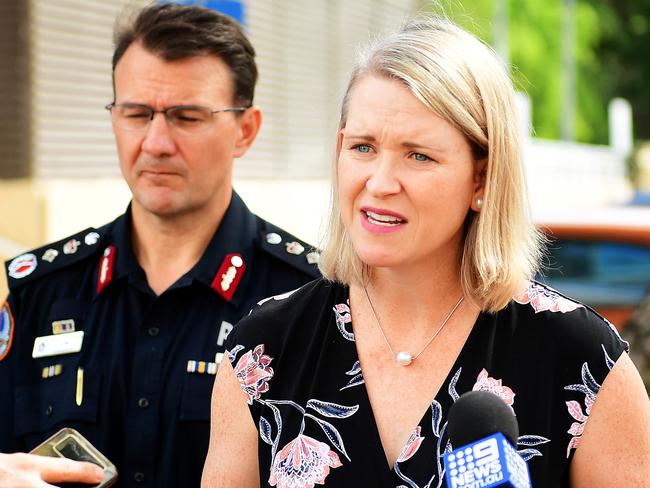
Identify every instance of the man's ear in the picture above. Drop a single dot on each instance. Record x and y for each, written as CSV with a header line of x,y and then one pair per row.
x,y
249,125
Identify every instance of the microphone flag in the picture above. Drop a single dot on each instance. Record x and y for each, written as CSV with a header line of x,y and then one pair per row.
x,y
486,463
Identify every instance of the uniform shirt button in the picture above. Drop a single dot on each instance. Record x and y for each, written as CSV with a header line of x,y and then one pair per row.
x,y
143,403
138,477
49,410
153,331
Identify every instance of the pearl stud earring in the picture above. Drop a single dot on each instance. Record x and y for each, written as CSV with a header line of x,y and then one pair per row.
x,y
479,203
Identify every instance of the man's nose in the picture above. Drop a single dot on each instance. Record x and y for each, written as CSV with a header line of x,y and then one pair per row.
x,y
159,140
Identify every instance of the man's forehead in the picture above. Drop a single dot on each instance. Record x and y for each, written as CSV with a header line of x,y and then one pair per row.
x,y
141,72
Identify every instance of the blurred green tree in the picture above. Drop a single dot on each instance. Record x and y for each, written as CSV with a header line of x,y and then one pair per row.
x,y
623,64
610,58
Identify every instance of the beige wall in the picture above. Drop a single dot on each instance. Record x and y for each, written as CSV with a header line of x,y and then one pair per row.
x,y
22,220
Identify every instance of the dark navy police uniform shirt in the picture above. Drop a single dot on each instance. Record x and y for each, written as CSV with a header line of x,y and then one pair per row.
x,y
139,388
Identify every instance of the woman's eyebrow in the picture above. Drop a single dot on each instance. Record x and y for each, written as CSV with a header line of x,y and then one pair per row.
x,y
418,145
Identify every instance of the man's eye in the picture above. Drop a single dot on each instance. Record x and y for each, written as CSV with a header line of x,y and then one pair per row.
x,y
362,148
188,117
136,114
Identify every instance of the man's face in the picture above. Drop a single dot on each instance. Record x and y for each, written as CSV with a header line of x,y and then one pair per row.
x,y
170,173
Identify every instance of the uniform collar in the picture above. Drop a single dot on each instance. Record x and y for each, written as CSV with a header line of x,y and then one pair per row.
x,y
235,236
125,263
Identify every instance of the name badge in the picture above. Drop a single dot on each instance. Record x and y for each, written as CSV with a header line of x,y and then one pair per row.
x,y
54,345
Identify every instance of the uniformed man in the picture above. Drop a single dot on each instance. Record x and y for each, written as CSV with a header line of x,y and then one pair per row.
x,y
118,331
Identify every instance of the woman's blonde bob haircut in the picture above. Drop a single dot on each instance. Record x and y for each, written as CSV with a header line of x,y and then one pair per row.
x,y
464,82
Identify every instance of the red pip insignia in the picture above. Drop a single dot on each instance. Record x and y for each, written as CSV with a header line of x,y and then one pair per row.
x,y
230,273
105,274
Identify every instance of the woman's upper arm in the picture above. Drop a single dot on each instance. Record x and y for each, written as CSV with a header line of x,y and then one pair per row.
x,y
615,446
232,456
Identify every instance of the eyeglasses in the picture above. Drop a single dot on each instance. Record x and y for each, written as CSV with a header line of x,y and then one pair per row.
x,y
188,119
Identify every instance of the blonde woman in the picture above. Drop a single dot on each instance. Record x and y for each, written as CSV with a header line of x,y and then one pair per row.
x,y
427,294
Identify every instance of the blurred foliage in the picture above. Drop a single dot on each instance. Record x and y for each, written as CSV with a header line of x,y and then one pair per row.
x,y
611,61
624,60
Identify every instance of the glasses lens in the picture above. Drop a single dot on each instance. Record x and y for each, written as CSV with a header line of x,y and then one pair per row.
x,y
190,119
131,116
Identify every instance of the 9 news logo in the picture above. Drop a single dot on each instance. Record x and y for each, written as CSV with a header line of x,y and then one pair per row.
x,y
486,463
477,465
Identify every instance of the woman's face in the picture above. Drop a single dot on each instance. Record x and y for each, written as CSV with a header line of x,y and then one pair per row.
x,y
406,178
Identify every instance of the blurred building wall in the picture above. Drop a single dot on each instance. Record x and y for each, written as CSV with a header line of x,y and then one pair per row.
x,y
14,86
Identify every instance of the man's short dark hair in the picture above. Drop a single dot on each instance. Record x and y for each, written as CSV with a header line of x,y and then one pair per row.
x,y
176,32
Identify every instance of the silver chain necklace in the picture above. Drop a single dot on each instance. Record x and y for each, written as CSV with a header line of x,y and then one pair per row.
x,y
404,358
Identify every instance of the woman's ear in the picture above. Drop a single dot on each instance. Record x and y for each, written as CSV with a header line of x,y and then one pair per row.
x,y
480,174
339,142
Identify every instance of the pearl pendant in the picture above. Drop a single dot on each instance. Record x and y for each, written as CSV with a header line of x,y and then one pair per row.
x,y
404,358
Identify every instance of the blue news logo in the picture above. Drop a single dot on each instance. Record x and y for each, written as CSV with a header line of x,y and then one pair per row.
x,y
476,465
486,463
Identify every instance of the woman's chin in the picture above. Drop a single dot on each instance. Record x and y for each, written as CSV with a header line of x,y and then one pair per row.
x,y
376,259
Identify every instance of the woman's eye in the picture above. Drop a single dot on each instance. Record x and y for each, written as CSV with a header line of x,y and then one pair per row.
x,y
421,157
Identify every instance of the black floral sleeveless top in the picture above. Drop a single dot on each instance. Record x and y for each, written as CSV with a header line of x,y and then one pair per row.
x,y
295,357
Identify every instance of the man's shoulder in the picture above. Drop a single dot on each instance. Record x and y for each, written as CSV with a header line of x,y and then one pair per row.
x,y
54,257
279,244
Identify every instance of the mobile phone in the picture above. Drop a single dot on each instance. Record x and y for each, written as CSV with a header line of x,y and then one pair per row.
x,y
71,444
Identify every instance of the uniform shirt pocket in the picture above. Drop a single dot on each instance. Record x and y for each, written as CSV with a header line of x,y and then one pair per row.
x,y
195,399
51,403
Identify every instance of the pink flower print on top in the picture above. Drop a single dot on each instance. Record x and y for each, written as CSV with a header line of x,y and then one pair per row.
x,y
493,385
412,445
542,298
577,428
253,372
302,463
343,317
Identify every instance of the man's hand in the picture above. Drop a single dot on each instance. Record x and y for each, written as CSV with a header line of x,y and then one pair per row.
x,y
21,470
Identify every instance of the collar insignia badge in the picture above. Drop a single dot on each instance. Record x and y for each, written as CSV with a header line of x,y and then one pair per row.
x,y
106,264
22,266
71,247
91,238
230,273
273,238
50,255
294,248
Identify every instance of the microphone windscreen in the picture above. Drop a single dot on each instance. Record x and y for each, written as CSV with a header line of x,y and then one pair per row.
x,y
479,414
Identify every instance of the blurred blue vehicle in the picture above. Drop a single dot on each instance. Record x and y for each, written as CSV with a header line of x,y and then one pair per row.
x,y
600,257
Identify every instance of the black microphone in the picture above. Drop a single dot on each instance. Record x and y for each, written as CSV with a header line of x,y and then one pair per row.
x,y
483,430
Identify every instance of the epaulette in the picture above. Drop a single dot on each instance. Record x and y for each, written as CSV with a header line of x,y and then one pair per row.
x,y
289,249
51,257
